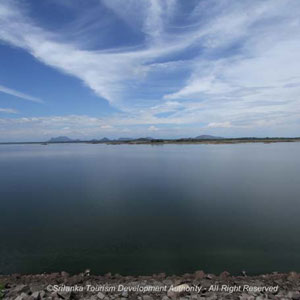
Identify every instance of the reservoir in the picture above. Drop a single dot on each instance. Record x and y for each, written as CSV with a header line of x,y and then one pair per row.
x,y
142,209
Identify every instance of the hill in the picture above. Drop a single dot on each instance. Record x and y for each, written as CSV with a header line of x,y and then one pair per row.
x,y
61,139
208,137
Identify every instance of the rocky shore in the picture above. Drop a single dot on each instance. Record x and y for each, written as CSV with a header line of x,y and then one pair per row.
x,y
188,286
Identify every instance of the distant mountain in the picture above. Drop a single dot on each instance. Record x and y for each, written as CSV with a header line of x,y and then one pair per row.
x,y
105,139
147,138
100,141
61,139
208,137
125,139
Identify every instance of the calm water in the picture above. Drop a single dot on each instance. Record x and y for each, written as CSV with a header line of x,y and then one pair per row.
x,y
147,209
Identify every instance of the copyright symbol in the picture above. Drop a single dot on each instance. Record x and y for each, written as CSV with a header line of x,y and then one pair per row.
x,y
49,288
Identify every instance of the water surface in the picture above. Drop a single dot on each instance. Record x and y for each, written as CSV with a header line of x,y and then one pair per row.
x,y
142,209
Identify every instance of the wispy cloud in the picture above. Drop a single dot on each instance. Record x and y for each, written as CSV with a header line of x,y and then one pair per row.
x,y
213,66
18,94
8,110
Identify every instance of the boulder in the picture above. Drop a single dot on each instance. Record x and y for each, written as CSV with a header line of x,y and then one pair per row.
x,y
175,291
224,275
293,276
199,275
147,297
100,295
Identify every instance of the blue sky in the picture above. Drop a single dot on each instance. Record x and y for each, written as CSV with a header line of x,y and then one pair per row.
x,y
161,68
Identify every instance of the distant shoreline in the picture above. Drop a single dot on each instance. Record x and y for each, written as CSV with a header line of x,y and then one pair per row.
x,y
142,141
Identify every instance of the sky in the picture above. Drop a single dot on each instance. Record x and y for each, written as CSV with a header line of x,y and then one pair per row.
x,y
159,68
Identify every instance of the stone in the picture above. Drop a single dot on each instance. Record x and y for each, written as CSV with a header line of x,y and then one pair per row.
x,y
244,273
65,295
36,295
21,288
246,297
125,294
175,291
293,295
199,275
147,297
161,275
42,294
36,288
293,276
212,297
167,282
21,297
100,295
64,274
224,275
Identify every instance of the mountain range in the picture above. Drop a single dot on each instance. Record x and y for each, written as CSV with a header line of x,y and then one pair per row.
x,y
65,139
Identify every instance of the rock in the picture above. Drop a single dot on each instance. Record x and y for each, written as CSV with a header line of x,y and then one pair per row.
x,y
53,276
199,275
54,295
65,274
246,297
224,275
125,294
76,279
167,282
21,288
36,295
175,291
146,297
107,275
179,281
165,298
244,273
100,295
64,295
161,276
21,297
294,295
293,276
36,288
186,276
212,297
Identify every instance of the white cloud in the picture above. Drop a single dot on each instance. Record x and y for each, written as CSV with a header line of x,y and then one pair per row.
x,y
18,94
107,73
8,110
244,71
219,125
153,128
